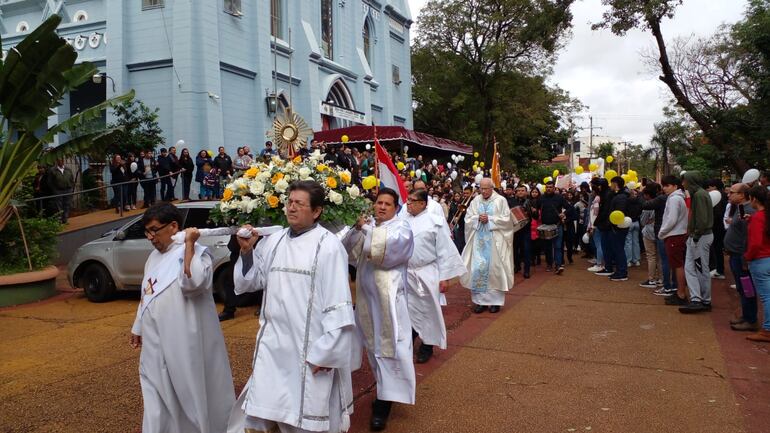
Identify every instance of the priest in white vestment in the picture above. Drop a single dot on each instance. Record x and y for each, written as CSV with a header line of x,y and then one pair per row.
x,y
380,252
302,361
184,371
488,253
434,262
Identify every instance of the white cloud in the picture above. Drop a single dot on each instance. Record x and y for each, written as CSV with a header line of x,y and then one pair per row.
x,y
607,72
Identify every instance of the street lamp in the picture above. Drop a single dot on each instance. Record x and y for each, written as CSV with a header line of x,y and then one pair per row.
x,y
97,79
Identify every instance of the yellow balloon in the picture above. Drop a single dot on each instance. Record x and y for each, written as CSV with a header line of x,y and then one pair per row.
x,y
625,178
609,159
411,173
369,182
210,153
475,163
631,173
481,164
593,166
400,165
345,138
579,170
609,174
556,173
547,179
475,154
617,217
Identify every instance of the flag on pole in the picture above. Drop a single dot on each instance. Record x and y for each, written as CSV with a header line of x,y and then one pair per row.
x,y
495,166
386,171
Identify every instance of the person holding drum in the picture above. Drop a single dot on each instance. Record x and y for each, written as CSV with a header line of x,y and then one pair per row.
x,y
522,239
552,215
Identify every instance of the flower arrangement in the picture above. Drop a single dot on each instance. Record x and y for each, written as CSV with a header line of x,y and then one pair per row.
x,y
258,195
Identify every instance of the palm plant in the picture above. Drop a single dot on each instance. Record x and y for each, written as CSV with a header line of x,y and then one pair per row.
x,y
34,77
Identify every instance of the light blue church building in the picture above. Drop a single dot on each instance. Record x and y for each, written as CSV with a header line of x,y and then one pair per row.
x,y
219,70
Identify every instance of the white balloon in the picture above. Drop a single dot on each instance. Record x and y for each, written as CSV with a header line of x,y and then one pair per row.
x,y
751,175
368,147
681,173
180,143
632,185
453,175
406,148
462,157
716,197
454,157
448,165
626,223
541,188
586,238
133,167
478,178
504,184
418,173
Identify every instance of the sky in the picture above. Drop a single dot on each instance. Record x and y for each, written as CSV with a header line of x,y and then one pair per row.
x,y
607,72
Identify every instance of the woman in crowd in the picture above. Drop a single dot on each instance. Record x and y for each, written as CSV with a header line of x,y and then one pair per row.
x,y
200,160
118,173
758,256
132,175
186,163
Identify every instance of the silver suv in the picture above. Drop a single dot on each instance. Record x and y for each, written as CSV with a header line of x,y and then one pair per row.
x,y
116,260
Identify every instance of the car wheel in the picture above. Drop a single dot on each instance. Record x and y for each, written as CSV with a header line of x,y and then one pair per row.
x,y
97,283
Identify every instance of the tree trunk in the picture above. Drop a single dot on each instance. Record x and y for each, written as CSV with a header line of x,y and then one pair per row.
x,y
703,122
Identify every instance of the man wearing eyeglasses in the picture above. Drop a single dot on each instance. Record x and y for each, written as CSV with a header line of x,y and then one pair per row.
x,y
434,262
184,371
488,253
302,362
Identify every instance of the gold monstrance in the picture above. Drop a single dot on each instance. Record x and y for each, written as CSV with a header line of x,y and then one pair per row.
x,y
291,132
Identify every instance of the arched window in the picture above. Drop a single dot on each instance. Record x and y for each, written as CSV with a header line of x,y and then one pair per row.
x,y
367,34
327,26
276,18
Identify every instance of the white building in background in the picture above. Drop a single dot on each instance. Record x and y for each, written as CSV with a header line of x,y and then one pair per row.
x,y
584,147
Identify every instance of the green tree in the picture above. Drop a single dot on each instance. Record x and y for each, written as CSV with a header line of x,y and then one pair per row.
x,y
721,82
478,68
605,149
34,77
139,128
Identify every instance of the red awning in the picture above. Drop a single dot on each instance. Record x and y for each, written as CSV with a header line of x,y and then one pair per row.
x,y
365,134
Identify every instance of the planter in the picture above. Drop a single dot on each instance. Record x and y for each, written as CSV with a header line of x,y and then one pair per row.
x,y
28,287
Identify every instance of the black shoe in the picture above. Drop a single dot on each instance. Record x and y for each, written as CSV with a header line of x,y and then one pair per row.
x,y
694,307
674,299
478,309
494,309
424,353
226,315
618,278
526,274
604,273
380,414
560,270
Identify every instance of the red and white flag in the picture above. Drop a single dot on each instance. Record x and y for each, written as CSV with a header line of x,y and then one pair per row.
x,y
387,172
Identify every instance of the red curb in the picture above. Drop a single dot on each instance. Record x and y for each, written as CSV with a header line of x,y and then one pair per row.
x,y
462,327
746,362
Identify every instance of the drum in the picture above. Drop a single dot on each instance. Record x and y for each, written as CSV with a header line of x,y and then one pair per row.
x,y
519,218
547,231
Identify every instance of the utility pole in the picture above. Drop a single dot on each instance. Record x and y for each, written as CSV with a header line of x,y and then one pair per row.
x,y
591,128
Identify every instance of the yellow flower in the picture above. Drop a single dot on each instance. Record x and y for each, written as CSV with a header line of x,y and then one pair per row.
x,y
273,201
251,173
331,182
276,178
345,177
321,167
297,159
227,194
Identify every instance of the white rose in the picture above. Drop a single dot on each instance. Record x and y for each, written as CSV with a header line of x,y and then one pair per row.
x,y
257,187
335,197
224,206
251,204
281,186
304,173
353,191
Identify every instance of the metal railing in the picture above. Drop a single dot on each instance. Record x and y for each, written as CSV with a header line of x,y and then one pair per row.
x,y
122,193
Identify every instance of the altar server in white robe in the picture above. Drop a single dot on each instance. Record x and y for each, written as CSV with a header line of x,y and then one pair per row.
x,y
184,371
434,262
380,250
434,207
302,360
488,253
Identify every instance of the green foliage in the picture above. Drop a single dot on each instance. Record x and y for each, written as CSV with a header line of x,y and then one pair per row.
x,y
624,15
41,235
605,149
139,129
479,73
34,78
536,173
